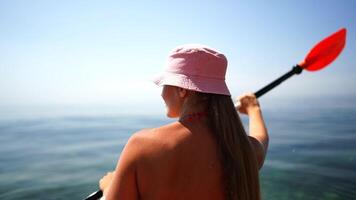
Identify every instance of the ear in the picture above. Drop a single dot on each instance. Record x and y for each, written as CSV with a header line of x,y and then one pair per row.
x,y
182,92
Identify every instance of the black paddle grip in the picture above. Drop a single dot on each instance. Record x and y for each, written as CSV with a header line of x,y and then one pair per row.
x,y
295,70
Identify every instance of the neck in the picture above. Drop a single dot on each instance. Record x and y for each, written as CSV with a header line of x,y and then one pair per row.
x,y
193,116
192,113
191,108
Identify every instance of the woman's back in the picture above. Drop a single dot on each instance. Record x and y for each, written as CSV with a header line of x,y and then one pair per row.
x,y
206,154
179,161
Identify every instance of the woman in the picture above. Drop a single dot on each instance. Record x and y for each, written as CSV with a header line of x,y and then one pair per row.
x,y
206,154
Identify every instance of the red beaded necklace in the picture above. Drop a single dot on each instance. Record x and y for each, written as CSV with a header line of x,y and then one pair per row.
x,y
193,116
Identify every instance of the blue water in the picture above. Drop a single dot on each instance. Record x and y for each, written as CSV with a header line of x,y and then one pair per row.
x,y
312,154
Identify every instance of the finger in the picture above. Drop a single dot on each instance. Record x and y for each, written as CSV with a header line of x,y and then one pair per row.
x,y
241,97
246,94
251,94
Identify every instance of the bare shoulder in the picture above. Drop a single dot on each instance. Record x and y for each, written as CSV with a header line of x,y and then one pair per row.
x,y
148,141
152,134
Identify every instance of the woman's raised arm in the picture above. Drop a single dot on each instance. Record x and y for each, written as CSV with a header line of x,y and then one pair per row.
x,y
257,129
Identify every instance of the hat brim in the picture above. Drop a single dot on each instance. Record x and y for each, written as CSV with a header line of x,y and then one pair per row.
x,y
195,83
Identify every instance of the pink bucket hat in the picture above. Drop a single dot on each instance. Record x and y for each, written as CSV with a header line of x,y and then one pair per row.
x,y
196,67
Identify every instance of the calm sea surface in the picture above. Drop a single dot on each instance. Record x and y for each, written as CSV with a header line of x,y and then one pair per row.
x,y
312,154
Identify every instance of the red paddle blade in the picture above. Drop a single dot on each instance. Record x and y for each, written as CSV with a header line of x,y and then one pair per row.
x,y
325,51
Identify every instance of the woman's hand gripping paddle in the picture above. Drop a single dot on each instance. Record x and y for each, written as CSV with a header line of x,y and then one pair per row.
x,y
321,55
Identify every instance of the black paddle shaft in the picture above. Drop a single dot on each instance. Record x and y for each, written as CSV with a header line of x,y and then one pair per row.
x,y
295,70
95,196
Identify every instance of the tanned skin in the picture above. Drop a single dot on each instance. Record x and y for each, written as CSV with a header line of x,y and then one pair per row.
x,y
178,160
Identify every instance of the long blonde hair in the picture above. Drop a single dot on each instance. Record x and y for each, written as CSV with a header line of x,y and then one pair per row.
x,y
236,154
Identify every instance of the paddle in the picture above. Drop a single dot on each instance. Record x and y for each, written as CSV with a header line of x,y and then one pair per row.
x,y
318,57
95,195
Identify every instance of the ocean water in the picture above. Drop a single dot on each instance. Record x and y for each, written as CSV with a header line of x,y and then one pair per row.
x,y
312,154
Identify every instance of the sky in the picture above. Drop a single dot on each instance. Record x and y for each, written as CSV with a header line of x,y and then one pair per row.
x,y
104,54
